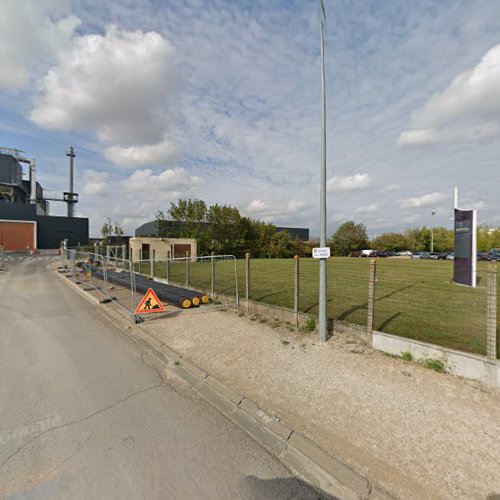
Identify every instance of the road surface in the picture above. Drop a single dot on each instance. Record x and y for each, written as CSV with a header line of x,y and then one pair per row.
x,y
83,414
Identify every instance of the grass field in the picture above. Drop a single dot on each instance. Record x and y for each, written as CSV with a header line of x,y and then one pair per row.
x,y
414,298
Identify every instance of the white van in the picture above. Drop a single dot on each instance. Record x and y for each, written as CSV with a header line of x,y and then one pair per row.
x,y
367,253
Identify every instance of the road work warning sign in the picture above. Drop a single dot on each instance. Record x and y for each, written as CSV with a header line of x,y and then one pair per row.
x,y
150,303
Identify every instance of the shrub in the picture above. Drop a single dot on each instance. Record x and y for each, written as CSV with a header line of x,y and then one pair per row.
x,y
437,365
407,355
310,324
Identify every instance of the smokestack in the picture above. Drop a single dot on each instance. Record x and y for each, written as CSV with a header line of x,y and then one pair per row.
x,y
32,181
71,204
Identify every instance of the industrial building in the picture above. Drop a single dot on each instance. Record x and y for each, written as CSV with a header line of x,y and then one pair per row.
x,y
25,223
144,248
168,228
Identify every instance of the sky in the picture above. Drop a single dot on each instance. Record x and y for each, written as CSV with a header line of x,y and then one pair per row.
x,y
221,100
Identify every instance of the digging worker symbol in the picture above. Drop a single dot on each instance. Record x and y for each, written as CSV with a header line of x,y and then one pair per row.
x,y
147,304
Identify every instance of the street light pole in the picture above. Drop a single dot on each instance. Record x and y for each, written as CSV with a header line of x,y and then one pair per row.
x,y
322,261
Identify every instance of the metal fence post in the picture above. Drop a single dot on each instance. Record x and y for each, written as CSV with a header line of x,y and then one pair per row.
x,y
247,281
124,252
371,300
212,281
187,268
296,295
167,270
140,260
491,329
73,265
108,250
152,265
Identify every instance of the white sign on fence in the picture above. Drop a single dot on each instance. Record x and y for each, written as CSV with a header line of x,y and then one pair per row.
x,y
321,252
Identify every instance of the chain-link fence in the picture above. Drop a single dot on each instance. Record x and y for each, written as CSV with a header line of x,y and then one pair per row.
x,y
214,275
419,300
416,299
182,284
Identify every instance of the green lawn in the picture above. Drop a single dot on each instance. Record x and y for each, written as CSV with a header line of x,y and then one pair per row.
x,y
413,298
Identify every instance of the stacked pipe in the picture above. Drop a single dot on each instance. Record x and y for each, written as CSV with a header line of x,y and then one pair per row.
x,y
177,296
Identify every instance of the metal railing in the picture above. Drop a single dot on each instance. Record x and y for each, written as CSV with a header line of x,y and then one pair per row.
x,y
192,273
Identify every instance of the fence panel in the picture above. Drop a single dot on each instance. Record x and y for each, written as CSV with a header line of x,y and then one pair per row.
x,y
215,276
272,281
417,299
347,288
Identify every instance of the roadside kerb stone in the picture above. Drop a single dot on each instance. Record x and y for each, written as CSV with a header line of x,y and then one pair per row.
x,y
214,398
273,423
227,392
306,469
184,373
197,372
343,473
259,432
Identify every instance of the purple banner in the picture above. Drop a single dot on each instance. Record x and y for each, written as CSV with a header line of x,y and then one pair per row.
x,y
464,268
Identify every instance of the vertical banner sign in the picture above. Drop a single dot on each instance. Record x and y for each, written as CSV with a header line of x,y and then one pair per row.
x,y
464,264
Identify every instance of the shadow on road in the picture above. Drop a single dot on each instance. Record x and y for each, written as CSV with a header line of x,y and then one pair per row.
x,y
282,488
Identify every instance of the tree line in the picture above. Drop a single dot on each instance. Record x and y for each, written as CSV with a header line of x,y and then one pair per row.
x,y
223,230
351,237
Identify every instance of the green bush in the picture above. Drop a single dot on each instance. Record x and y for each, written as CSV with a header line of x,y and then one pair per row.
x,y
407,355
310,324
437,365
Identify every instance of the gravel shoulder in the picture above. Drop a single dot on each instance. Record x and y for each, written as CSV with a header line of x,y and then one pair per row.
x,y
419,433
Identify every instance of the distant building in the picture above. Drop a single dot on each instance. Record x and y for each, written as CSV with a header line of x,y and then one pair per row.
x,y
169,228
25,223
143,248
299,233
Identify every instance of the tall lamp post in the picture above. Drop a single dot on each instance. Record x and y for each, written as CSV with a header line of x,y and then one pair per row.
x,y
432,231
322,261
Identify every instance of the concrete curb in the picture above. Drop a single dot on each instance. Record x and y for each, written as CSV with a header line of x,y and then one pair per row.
x,y
296,452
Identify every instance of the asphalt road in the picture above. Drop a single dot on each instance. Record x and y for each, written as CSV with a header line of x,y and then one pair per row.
x,y
83,414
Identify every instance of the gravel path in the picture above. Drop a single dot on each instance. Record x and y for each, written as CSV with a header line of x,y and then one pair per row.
x,y
420,433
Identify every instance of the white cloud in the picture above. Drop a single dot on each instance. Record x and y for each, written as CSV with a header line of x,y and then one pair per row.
x,y
175,181
133,156
348,183
425,200
119,85
477,205
468,109
260,208
368,209
392,187
32,35
95,183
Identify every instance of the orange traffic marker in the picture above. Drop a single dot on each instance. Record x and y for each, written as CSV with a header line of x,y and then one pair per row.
x,y
150,303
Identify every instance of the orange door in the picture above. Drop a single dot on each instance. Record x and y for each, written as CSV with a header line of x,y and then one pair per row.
x,y
17,236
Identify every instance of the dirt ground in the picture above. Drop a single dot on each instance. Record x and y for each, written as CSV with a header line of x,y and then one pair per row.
x,y
421,433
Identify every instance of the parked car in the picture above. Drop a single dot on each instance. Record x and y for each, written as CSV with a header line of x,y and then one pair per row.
x,y
433,256
442,255
415,256
380,254
483,256
404,253
450,256
495,254
425,255
355,254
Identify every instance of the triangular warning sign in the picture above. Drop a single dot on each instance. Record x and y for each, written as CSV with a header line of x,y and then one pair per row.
x,y
150,303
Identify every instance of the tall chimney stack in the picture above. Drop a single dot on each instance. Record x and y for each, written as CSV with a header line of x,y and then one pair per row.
x,y
32,181
71,204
